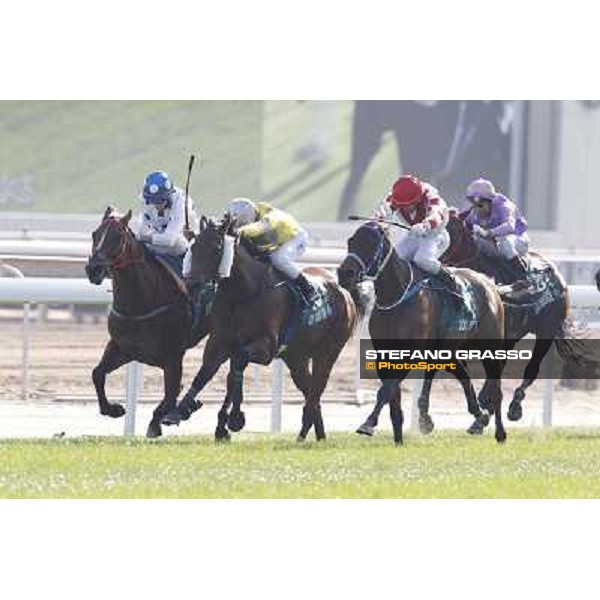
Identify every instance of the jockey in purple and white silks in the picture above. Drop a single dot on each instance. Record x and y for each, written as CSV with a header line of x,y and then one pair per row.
x,y
499,228
162,219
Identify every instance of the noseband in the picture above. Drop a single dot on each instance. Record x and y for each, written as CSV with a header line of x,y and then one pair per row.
x,y
126,256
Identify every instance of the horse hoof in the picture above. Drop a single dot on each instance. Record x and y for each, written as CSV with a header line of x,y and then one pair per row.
x,y
171,418
515,411
519,395
154,430
113,410
366,429
426,425
300,440
501,437
484,419
222,435
236,421
476,428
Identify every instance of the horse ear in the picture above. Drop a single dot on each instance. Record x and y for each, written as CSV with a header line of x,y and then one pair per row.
x,y
109,210
127,217
226,223
203,223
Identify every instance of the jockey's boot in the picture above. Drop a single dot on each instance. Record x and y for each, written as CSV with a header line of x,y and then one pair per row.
x,y
519,267
306,289
448,279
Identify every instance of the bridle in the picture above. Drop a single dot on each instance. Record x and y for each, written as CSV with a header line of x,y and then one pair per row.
x,y
372,269
126,256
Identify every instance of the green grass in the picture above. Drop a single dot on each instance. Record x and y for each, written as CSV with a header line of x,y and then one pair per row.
x,y
532,464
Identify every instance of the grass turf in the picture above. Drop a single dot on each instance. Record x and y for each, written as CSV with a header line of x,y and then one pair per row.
x,y
77,156
532,464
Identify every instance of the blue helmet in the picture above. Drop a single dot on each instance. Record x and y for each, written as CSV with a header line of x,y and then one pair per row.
x,y
158,188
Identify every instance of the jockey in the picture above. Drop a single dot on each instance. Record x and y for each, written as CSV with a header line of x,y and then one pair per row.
x,y
419,205
276,233
498,225
162,219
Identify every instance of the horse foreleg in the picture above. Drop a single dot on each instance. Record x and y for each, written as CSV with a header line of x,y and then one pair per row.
x,y
482,419
392,390
214,356
425,421
112,359
369,426
493,390
172,381
541,348
236,419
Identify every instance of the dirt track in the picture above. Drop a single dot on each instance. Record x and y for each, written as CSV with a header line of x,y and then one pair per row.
x,y
63,353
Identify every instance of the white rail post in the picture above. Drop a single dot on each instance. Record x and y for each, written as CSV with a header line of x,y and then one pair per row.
x,y
11,271
26,347
548,391
416,392
276,394
133,387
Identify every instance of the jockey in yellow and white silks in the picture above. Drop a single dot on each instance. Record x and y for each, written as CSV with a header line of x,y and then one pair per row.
x,y
274,232
419,206
162,219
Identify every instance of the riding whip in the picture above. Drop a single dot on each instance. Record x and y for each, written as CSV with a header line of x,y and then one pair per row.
x,y
359,218
187,190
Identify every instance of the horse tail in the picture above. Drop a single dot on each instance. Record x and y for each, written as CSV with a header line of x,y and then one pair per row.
x,y
574,344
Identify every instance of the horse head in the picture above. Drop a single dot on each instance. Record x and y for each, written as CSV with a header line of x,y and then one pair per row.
x,y
462,249
211,248
367,251
112,246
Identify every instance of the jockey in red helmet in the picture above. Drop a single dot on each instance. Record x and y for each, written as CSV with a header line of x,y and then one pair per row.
x,y
419,206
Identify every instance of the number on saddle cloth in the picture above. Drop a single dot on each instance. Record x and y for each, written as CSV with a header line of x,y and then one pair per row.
x,y
303,315
461,316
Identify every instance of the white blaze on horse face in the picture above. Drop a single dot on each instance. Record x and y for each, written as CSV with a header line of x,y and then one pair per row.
x,y
102,239
226,263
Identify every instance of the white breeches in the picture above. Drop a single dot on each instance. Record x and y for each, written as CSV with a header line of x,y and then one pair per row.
x,y
424,251
283,258
506,246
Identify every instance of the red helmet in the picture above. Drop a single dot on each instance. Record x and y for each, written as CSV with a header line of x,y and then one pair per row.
x,y
407,190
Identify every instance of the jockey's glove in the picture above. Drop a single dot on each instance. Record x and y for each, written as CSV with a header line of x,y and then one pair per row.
x,y
419,229
480,231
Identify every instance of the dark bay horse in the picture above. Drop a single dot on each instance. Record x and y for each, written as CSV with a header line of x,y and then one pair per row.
x,y
150,320
371,255
253,308
545,316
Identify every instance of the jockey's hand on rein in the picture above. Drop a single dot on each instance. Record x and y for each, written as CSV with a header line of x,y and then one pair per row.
x,y
419,229
481,232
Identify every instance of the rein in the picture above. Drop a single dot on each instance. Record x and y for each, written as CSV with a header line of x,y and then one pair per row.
x,y
145,316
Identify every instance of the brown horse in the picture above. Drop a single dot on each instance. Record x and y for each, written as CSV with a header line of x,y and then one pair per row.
x,y
546,317
253,309
151,317
422,316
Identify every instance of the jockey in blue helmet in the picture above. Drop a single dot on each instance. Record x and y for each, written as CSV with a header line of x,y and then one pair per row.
x,y
162,225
